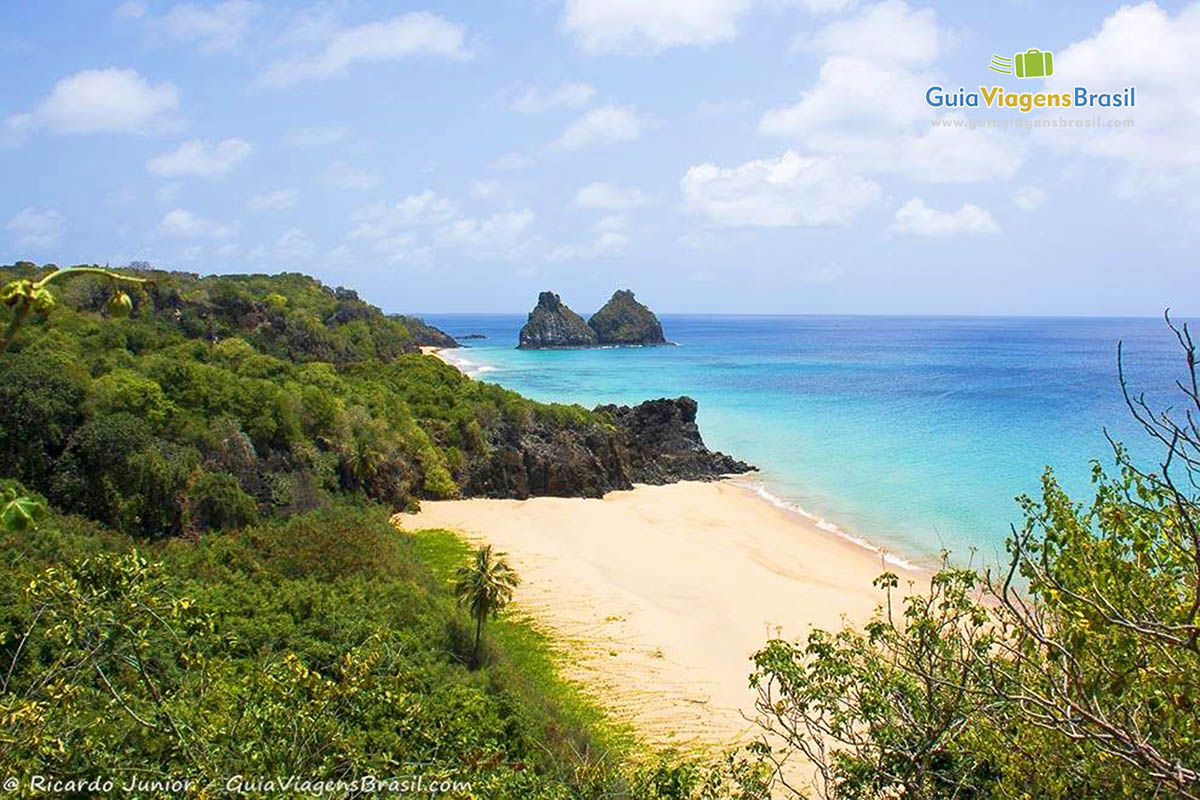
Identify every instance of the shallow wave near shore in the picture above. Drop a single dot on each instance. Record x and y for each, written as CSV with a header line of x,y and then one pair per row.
x,y
760,489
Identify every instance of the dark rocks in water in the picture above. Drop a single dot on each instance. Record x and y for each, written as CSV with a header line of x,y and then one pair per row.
x,y
623,320
552,325
665,443
471,336
424,334
656,442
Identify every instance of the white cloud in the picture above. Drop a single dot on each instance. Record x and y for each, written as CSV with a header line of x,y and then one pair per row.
x,y
787,191
381,219
1144,46
293,245
609,243
131,9
498,236
101,101
611,223
854,98
490,191
605,195
341,175
419,256
569,95
949,154
824,6
34,228
315,136
638,26
867,105
511,162
1029,198
887,32
278,200
919,219
411,34
183,224
602,126
197,157
211,28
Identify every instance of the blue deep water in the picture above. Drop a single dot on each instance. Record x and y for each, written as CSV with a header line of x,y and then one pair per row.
x,y
916,433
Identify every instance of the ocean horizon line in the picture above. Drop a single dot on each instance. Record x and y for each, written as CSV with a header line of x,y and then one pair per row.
x,y
837,315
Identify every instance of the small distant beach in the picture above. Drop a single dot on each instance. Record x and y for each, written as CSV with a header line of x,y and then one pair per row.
x,y
451,356
661,595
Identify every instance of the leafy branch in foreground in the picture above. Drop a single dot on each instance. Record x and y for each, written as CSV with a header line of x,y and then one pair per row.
x,y
19,511
1074,673
26,296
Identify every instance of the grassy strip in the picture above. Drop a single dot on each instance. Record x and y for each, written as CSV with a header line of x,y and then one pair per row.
x,y
532,660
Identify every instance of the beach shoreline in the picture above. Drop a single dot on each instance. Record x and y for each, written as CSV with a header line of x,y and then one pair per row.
x,y
659,596
436,352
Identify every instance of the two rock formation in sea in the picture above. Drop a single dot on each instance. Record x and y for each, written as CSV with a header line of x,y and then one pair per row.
x,y
622,321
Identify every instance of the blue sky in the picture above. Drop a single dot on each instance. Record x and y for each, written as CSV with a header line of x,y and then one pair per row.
x,y
713,155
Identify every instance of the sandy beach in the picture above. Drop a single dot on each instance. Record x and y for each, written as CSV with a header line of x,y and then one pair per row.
x,y
661,595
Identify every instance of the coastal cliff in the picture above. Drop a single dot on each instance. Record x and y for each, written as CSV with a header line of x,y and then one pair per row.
x,y
623,320
552,325
424,334
656,442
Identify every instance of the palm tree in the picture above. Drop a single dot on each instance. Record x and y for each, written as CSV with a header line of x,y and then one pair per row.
x,y
484,586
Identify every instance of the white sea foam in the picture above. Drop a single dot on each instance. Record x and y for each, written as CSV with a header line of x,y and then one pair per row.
x,y
467,366
825,525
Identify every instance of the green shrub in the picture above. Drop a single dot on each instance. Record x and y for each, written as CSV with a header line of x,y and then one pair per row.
x,y
215,501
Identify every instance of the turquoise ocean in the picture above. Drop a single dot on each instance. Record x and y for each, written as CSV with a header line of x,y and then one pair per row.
x,y
915,434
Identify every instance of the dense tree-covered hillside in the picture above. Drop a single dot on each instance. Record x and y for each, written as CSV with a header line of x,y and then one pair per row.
x,y
224,400
200,579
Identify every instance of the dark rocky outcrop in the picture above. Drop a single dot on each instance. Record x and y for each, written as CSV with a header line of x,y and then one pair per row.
x,y
623,320
665,443
424,334
654,442
552,325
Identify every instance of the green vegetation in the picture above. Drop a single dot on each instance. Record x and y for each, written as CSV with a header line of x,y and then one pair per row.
x,y
218,401
484,587
27,296
317,645
1073,674
200,578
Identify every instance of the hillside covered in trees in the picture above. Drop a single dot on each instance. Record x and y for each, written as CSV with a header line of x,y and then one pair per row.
x,y
224,400
200,578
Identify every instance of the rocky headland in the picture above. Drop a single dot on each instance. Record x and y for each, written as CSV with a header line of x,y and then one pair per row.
x,y
424,334
655,442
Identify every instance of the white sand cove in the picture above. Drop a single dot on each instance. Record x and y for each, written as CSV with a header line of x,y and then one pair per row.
x,y
662,594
